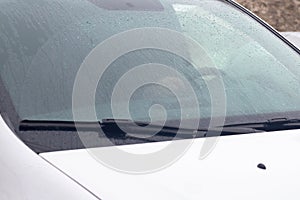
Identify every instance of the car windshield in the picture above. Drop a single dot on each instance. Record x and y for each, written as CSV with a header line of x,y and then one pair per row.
x,y
44,43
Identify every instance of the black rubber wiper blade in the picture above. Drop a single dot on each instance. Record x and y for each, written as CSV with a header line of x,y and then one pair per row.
x,y
52,125
28,125
110,127
49,125
274,124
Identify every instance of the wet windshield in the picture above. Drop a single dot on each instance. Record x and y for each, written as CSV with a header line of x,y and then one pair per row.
x,y
44,43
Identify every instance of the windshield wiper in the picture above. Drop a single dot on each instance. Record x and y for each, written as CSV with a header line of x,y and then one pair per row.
x,y
276,124
113,128
122,128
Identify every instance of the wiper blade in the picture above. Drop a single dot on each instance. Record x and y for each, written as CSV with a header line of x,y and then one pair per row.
x,y
275,124
114,128
51,125
111,127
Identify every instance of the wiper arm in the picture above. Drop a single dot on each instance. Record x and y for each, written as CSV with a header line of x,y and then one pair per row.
x,y
171,131
111,128
275,124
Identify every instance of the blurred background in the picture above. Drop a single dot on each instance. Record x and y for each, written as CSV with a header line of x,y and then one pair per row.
x,y
283,15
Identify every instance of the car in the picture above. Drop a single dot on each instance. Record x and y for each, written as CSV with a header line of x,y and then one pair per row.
x,y
152,99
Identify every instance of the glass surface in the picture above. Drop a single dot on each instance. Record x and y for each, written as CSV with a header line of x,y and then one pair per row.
x,y
43,43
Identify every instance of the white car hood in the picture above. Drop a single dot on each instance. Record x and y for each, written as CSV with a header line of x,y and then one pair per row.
x,y
229,172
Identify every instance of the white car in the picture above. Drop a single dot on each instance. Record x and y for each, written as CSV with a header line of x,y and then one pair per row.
x,y
149,99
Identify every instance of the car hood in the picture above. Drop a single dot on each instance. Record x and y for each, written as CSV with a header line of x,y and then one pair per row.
x,y
229,172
